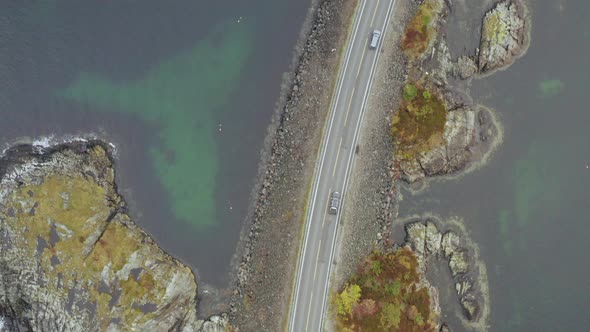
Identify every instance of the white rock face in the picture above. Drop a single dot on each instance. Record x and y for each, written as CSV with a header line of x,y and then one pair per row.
x,y
450,243
433,238
502,36
216,324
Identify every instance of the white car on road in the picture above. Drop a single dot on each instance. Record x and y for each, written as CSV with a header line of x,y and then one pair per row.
x,y
375,36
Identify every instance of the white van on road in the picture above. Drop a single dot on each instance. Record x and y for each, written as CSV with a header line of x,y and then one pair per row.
x,y
375,39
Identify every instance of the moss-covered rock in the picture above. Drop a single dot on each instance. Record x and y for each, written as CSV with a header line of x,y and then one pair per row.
x,y
419,124
430,139
72,260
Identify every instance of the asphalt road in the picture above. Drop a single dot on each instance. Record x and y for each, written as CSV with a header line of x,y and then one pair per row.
x,y
333,168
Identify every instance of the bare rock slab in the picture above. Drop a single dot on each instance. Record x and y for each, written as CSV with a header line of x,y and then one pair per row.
x,y
72,259
503,36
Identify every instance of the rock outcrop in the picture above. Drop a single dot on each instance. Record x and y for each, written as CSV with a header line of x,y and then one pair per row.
x,y
503,36
215,324
459,137
465,67
72,260
428,243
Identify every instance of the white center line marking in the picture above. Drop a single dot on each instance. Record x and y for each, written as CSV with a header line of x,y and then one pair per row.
x,y
375,12
337,154
360,64
349,103
350,162
317,259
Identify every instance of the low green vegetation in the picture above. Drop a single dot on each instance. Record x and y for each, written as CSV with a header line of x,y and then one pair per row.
x,y
384,295
421,29
410,92
494,30
551,88
419,124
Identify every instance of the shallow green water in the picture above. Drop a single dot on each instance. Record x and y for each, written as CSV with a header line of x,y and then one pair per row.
x,y
158,80
181,96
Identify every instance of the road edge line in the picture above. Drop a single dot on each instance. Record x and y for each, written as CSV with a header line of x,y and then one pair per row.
x,y
351,164
335,96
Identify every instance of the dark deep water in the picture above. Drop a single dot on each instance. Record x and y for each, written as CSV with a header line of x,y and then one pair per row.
x,y
528,208
184,89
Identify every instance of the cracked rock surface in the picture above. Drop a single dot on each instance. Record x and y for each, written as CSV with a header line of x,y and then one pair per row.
x,y
459,136
502,36
70,257
429,243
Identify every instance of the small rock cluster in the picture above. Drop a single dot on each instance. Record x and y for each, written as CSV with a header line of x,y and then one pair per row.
x,y
502,36
429,243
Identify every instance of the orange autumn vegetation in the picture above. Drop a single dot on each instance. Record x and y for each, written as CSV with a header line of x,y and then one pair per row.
x,y
419,124
421,30
383,295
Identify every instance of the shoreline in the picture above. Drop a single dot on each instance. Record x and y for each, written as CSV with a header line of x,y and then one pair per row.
x,y
360,232
92,160
474,164
477,270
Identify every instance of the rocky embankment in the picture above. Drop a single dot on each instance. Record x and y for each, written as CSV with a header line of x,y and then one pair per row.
x,y
269,248
504,35
72,259
429,244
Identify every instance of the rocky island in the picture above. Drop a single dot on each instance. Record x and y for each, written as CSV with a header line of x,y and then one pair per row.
x,y
438,130
430,244
504,35
72,259
436,137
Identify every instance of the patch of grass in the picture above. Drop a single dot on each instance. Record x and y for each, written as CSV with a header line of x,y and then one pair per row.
x,y
421,29
410,92
383,296
418,126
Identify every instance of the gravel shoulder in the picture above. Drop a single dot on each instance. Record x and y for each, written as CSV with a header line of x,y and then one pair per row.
x,y
267,259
